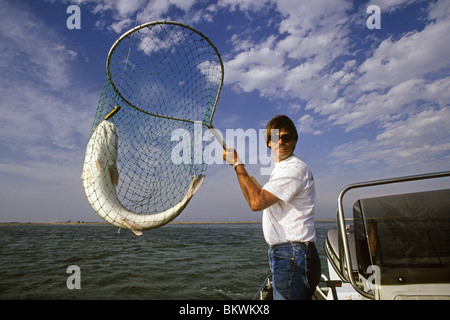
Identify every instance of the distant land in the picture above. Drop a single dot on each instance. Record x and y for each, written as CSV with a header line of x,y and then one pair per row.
x,y
105,223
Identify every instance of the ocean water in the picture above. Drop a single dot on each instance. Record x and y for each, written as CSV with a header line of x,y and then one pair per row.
x,y
174,262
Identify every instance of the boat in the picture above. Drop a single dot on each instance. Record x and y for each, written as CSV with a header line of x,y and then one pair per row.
x,y
395,246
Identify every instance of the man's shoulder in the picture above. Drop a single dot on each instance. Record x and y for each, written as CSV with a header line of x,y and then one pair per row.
x,y
294,163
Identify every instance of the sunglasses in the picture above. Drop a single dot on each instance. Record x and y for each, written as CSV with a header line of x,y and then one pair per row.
x,y
284,137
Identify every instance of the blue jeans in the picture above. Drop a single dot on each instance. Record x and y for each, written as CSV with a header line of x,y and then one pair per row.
x,y
295,270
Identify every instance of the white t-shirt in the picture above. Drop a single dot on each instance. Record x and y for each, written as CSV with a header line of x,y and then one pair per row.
x,y
292,218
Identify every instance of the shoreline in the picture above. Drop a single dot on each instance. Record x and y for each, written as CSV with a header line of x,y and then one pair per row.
x,y
72,223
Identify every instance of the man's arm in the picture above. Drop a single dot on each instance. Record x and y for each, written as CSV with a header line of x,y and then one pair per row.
x,y
257,198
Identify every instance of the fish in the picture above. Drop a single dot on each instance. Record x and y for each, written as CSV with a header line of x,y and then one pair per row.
x,y
100,178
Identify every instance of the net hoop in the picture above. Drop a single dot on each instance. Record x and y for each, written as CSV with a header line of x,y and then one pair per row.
x,y
137,28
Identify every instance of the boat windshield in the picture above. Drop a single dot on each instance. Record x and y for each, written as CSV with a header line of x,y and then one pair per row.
x,y
407,230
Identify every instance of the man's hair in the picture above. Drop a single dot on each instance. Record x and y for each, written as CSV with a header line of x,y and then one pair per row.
x,y
281,122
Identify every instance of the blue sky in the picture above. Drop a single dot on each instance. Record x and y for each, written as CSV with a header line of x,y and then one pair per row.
x,y
368,103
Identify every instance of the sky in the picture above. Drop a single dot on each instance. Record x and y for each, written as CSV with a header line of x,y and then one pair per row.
x,y
368,103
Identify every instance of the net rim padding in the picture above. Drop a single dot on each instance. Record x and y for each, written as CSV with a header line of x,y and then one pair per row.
x,y
144,25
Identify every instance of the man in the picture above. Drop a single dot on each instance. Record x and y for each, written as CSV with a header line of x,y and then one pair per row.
x,y
287,201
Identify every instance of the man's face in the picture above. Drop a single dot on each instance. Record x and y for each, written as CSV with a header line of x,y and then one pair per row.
x,y
282,144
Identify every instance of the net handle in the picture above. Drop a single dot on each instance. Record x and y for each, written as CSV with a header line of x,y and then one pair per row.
x,y
217,136
112,113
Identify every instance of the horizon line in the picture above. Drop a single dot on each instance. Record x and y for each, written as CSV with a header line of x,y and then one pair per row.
x,y
80,222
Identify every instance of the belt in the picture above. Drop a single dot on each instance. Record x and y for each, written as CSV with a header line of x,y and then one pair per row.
x,y
307,244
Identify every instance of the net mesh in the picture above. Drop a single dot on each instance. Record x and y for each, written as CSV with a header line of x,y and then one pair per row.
x,y
166,78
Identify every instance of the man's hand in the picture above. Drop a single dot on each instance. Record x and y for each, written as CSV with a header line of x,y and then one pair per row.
x,y
230,156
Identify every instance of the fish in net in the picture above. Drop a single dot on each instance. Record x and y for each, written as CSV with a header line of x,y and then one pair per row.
x,y
161,78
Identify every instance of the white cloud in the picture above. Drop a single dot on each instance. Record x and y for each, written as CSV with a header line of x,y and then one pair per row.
x,y
259,68
415,55
44,116
306,124
45,121
127,13
244,5
399,100
291,64
126,8
428,127
439,10
420,138
121,25
391,5
47,60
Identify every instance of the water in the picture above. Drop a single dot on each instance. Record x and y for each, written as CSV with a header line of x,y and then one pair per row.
x,y
188,261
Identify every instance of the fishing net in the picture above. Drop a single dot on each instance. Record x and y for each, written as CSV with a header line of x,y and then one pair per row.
x,y
166,78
